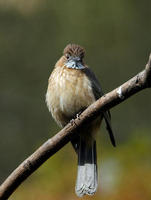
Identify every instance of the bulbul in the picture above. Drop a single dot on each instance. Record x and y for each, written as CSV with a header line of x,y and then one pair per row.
x,y
72,87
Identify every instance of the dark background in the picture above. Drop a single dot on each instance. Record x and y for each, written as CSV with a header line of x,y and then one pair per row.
x,y
117,38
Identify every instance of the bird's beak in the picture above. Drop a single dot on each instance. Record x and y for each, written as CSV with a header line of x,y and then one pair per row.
x,y
74,63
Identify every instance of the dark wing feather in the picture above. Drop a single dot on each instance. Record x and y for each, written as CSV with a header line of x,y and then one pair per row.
x,y
98,93
107,117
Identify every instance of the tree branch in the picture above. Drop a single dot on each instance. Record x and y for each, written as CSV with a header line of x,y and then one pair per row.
x,y
50,147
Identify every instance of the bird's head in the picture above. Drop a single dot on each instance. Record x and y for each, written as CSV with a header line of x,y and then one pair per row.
x,y
73,55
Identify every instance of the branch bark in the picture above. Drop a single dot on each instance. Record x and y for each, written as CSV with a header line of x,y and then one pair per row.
x,y
54,144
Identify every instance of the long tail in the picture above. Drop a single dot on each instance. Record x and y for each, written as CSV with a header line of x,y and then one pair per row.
x,y
87,169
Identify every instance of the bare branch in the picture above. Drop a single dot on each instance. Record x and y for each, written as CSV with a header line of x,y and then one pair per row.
x,y
147,79
50,147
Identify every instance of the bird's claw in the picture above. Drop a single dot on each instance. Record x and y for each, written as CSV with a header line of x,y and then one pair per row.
x,y
72,121
78,116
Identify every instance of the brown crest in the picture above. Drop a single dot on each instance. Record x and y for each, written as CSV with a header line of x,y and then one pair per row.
x,y
74,50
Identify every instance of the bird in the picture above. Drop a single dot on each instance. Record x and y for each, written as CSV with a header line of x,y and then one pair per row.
x,y
72,87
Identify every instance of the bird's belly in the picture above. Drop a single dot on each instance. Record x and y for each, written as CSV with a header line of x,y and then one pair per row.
x,y
68,95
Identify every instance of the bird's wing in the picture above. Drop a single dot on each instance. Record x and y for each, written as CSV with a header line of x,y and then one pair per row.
x,y
97,91
107,117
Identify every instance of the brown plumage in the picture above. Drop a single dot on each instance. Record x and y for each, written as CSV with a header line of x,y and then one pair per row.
x,y
72,87
74,50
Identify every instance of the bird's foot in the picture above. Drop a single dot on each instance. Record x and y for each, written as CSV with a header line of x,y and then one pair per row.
x,y
72,122
78,115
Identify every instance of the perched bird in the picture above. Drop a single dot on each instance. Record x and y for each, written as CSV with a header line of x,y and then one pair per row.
x,y
72,87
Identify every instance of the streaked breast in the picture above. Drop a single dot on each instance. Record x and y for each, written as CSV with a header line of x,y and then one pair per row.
x,y
69,91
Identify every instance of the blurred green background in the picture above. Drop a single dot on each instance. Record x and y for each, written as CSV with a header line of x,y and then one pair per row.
x,y
117,38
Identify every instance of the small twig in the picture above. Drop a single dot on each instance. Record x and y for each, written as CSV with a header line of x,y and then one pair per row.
x,y
108,101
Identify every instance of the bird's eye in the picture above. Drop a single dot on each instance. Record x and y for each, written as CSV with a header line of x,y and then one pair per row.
x,y
67,56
